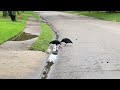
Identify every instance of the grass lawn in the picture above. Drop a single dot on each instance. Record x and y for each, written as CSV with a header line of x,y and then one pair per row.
x,y
9,29
42,43
45,37
101,15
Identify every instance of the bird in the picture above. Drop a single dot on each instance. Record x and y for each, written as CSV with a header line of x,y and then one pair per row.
x,y
66,41
56,42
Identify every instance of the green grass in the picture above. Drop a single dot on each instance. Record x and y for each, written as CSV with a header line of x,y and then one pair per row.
x,y
45,37
101,15
9,29
33,14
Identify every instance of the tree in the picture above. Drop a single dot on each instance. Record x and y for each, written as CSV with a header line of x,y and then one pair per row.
x,y
5,13
12,14
110,11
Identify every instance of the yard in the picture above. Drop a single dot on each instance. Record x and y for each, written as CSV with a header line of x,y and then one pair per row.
x,y
101,15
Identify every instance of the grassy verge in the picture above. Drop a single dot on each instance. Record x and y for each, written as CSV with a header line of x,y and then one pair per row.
x,y
45,37
9,29
30,13
101,15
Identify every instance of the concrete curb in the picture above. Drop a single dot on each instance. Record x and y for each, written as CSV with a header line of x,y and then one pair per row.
x,y
53,51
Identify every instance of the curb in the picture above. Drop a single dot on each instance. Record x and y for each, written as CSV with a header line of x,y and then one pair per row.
x,y
53,51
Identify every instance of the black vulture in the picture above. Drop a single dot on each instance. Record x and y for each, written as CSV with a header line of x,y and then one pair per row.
x,y
66,40
56,42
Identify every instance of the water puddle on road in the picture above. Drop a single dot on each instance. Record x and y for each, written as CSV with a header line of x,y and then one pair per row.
x,y
24,36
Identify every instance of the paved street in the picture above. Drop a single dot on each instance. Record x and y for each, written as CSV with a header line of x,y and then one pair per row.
x,y
95,52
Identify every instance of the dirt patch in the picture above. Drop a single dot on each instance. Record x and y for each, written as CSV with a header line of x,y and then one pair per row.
x,y
24,36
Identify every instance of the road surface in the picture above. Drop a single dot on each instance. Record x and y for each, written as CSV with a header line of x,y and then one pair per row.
x,y
95,53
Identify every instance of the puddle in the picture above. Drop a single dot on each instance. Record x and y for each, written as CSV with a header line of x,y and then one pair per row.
x,y
24,36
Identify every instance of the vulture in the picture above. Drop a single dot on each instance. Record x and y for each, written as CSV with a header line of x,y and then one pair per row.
x,y
56,42
66,40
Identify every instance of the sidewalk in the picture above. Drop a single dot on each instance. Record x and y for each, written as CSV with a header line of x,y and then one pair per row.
x,y
16,61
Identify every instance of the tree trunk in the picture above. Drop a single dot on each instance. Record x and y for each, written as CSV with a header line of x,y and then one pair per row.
x,y
110,11
5,13
12,15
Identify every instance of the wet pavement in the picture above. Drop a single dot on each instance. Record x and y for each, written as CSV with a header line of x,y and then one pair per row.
x,y
95,53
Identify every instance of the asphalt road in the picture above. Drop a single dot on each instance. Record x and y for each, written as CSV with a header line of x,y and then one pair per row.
x,y
95,53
